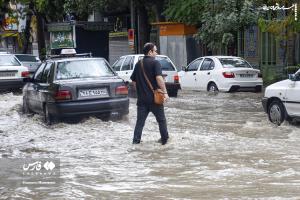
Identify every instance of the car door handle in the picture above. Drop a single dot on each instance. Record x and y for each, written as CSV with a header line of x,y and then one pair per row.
x,y
208,73
194,73
126,72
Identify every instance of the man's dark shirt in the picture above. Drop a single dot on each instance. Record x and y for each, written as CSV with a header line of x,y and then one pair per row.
x,y
152,69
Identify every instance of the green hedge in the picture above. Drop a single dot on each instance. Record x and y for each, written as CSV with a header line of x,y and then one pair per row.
x,y
292,69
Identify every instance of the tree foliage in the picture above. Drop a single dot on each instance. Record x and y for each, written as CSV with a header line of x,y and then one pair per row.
x,y
218,21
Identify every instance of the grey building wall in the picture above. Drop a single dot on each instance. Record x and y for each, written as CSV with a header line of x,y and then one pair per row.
x,y
175,48
181,49
118,47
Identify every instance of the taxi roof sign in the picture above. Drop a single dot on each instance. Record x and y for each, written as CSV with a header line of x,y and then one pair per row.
x,y
68,52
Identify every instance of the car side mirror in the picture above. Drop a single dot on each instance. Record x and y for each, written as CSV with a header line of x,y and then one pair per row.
x,y
292,77
184,68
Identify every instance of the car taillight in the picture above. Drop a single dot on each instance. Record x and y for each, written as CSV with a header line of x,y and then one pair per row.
x,y
25,74
259,75
122,90
228,74
176,79
63,95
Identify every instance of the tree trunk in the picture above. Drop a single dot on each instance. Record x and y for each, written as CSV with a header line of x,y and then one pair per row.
x,y
27,28
143,27
159,8
41,36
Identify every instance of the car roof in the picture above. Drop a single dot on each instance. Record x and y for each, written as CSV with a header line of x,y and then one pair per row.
x,y
220,56
63,59
142,55
20,54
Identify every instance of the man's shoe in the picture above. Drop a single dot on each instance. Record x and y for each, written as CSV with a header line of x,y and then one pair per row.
x,y
163,142
136,142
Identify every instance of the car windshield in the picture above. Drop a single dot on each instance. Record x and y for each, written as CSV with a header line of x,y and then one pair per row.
x,y
8,60
27,58
234,62
83,69
166,64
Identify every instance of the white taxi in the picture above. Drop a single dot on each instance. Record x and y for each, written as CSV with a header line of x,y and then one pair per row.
x,y
125,64
12,72
220,73
282,99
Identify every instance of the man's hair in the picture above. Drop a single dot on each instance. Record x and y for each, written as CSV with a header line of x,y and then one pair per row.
x,y
148,47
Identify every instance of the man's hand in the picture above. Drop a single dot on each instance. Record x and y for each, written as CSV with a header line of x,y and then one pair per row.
x,y
166,97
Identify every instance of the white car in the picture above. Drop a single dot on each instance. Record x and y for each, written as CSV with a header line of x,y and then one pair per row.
x,y
125,64
282,99
30,61
220,73
12,72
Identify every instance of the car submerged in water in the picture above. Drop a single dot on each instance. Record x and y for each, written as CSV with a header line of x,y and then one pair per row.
x,y
281,100
71,86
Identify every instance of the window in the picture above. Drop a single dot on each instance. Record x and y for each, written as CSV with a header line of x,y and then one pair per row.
x,y
27,58
166,64
117,65
194,65
8,60
74,69
127,64
208,64
39,72
234,62
45,75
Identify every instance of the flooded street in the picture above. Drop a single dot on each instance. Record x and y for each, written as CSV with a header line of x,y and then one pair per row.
x,y
222,147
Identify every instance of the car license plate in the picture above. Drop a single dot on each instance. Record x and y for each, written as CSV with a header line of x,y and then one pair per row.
x,y
246,75
7,74
100,92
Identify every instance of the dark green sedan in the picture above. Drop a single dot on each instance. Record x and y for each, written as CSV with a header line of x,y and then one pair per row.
x,y
75,86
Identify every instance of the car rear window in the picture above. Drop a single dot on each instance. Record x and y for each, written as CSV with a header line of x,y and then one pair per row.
x,y
8,60
234,62
166,64
83,69
27,58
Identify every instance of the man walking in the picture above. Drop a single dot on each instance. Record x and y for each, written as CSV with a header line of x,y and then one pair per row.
x,y
145,97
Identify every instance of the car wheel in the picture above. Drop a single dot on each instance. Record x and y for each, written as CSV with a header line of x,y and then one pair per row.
x,y
212,87
25,108
48,119
258,88
276,112
173,93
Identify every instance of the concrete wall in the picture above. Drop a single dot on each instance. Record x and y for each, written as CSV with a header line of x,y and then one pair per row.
x,y
118,47
175,48
181,49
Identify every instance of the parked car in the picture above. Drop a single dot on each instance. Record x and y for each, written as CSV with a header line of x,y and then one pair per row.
x,y
125,64
30,61
220,73
73,86
282,99
12,72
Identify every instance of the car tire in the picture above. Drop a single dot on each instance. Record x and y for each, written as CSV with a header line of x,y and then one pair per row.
x,y
276,112
25,108
173,93
48,118
212,87
258,88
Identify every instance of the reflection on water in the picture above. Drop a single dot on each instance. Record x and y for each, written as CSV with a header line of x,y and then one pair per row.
x,y
221,147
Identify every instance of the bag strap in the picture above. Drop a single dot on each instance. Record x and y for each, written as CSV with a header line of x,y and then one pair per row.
x,y
149,83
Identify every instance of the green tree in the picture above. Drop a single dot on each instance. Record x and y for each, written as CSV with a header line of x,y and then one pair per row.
x,y
218,21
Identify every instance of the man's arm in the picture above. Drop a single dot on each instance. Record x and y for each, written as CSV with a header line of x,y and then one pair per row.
x,y
162,85
134,85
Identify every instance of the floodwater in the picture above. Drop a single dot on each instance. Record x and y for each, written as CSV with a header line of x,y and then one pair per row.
x,y
222,147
